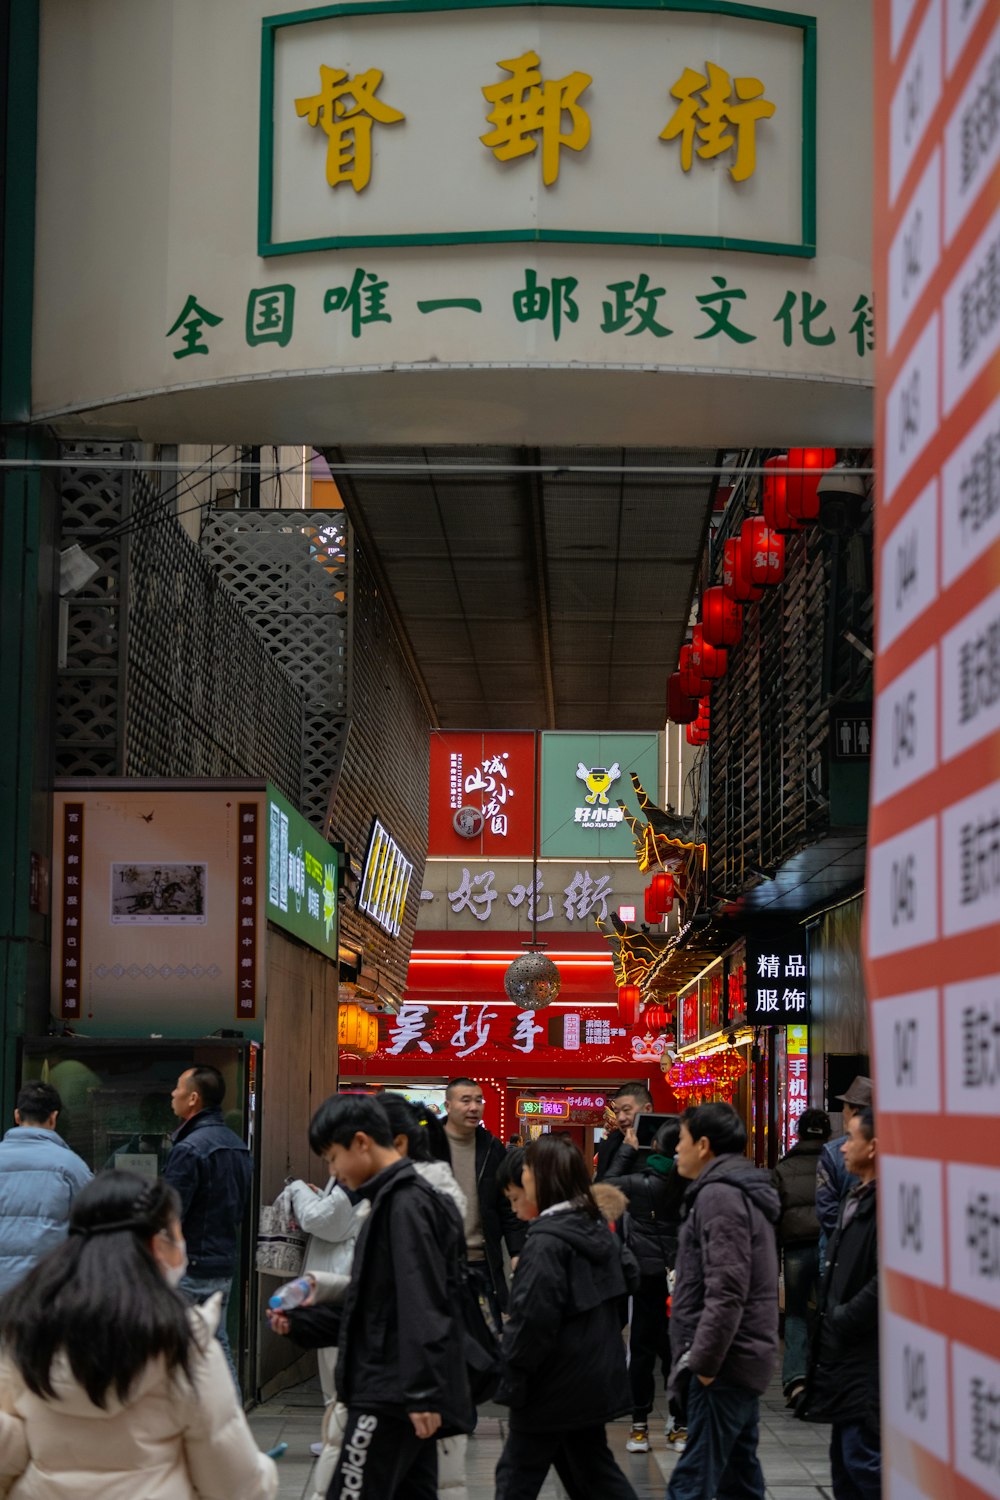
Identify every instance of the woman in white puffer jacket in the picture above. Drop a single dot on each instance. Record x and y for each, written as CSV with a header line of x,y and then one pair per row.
x,y
417,1134
111,1386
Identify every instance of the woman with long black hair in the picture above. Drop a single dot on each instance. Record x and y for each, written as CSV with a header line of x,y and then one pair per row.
x,y
564,1360
111,1385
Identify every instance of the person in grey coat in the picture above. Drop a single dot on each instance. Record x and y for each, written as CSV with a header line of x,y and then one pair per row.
x,y
39,1178
724,1312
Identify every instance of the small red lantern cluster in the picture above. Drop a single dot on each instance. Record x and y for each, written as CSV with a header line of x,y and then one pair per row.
x,y
751,562
629,1000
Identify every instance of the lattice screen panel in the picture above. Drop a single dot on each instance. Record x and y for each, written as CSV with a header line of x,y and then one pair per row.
x,y
288,570
95,505
164,675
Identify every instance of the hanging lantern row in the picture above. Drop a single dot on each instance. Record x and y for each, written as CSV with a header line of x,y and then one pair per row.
x,y
629,1000
751,562
702,1077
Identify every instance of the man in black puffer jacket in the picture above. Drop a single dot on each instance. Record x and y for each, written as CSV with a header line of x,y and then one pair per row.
x,y
798,1236
654,1190
724,1315
843,1382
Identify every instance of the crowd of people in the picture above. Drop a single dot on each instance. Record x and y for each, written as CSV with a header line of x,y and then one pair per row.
x,y
441,1269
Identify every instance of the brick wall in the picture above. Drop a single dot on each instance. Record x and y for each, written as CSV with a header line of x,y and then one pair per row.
x,y
385,770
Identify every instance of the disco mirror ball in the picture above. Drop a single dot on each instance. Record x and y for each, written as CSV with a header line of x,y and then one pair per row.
x,y
532,981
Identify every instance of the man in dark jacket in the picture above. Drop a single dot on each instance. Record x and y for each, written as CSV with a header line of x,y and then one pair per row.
x,y
798,1236
630,1100
400,1370
211,1170
476,1157
654,1190
724,1314
833,1180
843,1382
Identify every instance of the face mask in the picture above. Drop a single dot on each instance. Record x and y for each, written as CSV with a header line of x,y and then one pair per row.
x,y
174,1275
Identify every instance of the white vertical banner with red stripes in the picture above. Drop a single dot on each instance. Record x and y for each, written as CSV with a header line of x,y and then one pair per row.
x,y
933,890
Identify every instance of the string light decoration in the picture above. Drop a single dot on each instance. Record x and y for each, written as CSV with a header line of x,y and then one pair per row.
x,y
706,1076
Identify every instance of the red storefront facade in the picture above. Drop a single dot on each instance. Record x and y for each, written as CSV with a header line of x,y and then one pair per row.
x,y
456,1020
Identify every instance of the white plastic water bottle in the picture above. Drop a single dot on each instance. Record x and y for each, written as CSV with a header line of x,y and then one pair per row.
x,y
292,1294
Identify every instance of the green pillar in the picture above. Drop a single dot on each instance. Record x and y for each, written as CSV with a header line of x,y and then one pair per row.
x,y
24,596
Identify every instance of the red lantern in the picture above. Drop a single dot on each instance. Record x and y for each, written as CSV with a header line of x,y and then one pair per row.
x,y
629,1000
762,552
662,887
681,709
722,618
704,711
696,734
776,511
735,583
655,1017
803,489
653,914
713,660
692,682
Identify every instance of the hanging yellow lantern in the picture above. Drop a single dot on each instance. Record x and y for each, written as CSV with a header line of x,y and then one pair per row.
x,y
357,1030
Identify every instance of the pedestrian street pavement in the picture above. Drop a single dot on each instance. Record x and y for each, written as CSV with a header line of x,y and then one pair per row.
x,y
794,1455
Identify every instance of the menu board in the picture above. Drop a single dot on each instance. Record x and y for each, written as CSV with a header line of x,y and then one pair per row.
x,y
933,892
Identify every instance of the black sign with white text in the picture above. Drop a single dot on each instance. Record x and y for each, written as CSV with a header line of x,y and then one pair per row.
x,y
777,978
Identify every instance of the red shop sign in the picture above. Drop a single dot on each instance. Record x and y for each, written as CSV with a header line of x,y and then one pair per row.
x,y
482,794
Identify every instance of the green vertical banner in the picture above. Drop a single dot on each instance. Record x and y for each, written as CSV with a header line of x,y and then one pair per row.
x,y
583,778
301,888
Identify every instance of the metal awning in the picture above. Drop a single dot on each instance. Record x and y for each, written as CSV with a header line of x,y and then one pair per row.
x,y
526,600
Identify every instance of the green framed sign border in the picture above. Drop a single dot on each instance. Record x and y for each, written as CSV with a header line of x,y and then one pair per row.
x,y
271,25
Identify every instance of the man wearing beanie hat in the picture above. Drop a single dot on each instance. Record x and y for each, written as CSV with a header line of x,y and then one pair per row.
x,y
798,1237
833,1180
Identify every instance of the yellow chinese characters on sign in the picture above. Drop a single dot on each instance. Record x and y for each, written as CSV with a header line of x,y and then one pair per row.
x,y
706,109
525,107
348,125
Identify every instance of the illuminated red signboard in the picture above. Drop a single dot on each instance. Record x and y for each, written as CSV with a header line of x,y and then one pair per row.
x,y
482,794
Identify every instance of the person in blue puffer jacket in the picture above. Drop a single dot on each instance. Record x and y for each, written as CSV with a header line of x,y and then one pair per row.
x,y
39,1178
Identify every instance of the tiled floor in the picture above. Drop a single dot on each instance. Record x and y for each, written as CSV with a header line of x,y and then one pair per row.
x,y
794,1456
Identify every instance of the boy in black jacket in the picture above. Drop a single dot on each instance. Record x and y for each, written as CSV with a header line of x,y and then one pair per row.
x,y
400,1369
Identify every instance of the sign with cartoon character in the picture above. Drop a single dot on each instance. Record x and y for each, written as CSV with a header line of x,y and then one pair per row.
x,y
583,777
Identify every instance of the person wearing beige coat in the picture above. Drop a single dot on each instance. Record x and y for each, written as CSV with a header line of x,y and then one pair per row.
x,y
68,1431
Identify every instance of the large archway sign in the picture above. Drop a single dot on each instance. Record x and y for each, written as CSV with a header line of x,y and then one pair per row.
x,y
582,222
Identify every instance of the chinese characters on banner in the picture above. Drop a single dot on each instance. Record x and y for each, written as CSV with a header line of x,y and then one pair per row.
x,y
248,915
583,900
492,774
799,317
529,109
933,887
777,978
496,1036
796,1081
71,964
